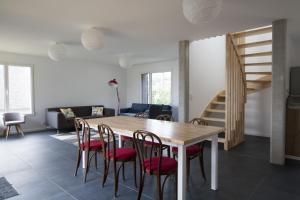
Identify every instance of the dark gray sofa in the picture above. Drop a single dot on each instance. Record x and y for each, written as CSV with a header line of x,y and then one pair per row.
x,y
55,119
153,110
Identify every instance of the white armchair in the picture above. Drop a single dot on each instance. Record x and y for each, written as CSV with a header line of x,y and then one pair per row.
x,y
13,119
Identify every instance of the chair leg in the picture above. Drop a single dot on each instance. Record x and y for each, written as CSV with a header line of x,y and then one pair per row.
x,y
123,171
105,174
169,151
142,179
7,131
201,161
158,184
87,164
78,161
19,129
187,172
96,164
116,176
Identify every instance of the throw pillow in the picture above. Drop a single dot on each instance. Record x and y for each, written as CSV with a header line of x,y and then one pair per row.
x,y
97,111
67,112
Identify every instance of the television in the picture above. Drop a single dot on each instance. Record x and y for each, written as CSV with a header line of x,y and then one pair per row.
x,y
295,81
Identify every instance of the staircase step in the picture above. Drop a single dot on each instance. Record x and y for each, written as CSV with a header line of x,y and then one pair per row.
x,y
258,81
259,73
213,119
215,111
258,64
222,95
253,32
267,53
255,44
218,102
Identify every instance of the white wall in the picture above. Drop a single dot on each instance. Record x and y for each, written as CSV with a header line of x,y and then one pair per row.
x,y
68,83
134,85
207,72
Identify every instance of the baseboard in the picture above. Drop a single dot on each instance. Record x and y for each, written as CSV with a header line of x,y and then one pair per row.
x,y
292,157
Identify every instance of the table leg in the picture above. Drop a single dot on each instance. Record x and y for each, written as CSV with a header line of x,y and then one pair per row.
x,y
83,157
181,173
120,141
214,162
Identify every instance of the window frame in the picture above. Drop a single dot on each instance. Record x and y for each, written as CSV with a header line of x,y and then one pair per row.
x,y
150,86
6,85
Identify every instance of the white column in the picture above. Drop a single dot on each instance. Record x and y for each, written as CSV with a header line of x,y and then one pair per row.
x,y
214,162
181,172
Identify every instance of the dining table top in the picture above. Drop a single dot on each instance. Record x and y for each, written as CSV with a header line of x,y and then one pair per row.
x,y
172,132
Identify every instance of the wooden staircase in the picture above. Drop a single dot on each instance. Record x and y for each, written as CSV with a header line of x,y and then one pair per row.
x,y
248,70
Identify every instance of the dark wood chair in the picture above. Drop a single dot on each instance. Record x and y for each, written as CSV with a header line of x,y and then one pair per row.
x,y
86,144
116,155
164,117
13,119
194,151
153,164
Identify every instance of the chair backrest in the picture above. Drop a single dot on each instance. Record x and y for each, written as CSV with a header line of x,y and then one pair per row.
x,y
164,117
155,110
107,134
13,116
83,132
199,121
139,138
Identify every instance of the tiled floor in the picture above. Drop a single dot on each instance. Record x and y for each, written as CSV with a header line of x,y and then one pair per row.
x,y
41,167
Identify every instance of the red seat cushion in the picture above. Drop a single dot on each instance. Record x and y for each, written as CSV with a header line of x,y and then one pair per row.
x,y
94,144
123,154
126,138
167,165
191,150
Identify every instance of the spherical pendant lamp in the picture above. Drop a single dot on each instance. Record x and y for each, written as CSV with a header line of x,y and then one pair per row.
x,y
124,61
92,39
57,51
201,11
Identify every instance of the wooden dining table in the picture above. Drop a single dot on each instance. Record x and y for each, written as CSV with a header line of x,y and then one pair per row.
x,y
175,134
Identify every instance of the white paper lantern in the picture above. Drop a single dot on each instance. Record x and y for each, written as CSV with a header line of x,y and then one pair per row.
x,y
57,51
201,11
124,61
92,39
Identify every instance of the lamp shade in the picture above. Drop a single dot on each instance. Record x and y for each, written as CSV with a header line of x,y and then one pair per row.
x,y
113,83
201,11
92,39
124,61
57,51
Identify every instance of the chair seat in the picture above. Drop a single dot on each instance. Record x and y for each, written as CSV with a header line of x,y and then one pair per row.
x,y
126,138
10,123
167,165
123,154
191,150
94,144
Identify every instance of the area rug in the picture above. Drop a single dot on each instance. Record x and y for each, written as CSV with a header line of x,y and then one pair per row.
x,y
6,189
71,137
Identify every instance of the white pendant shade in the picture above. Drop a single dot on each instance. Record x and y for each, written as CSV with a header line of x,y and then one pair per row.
x,y
57,51
92,39
201,11
124,61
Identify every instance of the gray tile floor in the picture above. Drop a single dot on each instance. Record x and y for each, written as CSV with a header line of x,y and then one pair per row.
x,y
41,167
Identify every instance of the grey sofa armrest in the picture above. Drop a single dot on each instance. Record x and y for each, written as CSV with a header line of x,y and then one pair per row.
x,y
54,119
108,112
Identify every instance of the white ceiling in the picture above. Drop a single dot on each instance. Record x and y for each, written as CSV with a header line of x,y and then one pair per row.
x,y
148,30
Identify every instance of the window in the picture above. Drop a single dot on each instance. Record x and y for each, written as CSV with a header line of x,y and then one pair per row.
x,y
156,88
16,89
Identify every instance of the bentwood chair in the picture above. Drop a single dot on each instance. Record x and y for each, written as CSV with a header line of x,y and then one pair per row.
x,y
13,119
86,144
194,151
152,164
116,155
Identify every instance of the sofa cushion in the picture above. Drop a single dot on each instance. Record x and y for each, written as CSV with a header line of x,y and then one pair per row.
x,y
97,111
67,112
139,107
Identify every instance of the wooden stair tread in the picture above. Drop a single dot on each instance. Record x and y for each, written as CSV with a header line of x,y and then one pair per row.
x,y
267,53
253,32
222,95
213,119
259,81
215,111
259,73
258,64
255,44
218,102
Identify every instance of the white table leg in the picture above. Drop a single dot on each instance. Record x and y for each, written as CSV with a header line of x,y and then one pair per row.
x,y
181,172
214,162
120,141
83,157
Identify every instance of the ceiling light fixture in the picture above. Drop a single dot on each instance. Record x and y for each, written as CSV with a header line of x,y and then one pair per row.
x,y
124,61
57,51
201,11
92,39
